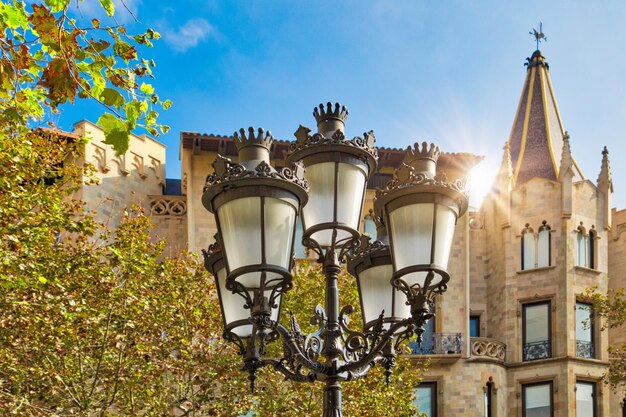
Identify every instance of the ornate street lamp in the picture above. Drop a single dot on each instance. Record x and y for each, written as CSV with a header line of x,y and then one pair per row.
x,y
420,210
255,208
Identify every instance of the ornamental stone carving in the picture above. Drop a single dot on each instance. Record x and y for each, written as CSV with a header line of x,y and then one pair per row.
x,y
486,348
168,206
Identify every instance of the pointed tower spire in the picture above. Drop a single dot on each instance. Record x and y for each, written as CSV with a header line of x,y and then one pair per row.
x,y
605,187
566,168
605,179
566,174
504,185
537,135
503,179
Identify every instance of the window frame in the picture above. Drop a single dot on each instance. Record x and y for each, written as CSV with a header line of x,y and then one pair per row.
x,y
528,232
586,241
477,318
434,406
550,383
545,227
490,390
592,328
594,395
549,319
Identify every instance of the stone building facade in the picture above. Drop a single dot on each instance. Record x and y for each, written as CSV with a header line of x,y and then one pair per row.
x,y
512,335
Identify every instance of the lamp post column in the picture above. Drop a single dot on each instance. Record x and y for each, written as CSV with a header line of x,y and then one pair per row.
x,y
332,334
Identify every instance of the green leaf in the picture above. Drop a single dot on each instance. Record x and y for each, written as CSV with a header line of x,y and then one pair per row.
x,y
14,16
116,132
132,109
146,88
57,5
108,6
167,104
112,97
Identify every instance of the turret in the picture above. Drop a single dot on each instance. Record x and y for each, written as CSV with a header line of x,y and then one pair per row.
x,y
605,188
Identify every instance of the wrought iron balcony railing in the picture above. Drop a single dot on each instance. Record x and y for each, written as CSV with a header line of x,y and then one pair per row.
x,y
537,350
585,349
438,344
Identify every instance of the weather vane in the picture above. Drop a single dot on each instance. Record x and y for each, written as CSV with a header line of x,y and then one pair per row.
x,y
539,35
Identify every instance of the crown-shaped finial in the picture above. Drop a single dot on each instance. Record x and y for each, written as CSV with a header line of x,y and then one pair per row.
x,y
260,137
429,151
338,112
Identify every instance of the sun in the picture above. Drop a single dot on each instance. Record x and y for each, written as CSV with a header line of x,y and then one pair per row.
x,y
482,177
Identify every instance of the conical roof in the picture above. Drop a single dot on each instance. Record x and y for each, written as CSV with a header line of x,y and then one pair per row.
x,y
536,140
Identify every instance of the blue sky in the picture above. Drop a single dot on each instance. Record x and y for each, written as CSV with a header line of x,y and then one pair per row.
x,y
448,72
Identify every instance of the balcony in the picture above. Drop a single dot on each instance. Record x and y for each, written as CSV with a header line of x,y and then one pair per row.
x,y
170,205
585,349
438,344
537,350
488,349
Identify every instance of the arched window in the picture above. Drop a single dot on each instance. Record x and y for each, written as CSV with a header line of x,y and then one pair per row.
x,y
369,226
586,247
528,248
581,243
489,391
591,248
543,246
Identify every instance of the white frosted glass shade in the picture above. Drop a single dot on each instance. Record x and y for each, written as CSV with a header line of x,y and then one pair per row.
x,y
377,294
232,307
444,229
411,229
322,207
242,235
233,310
280,220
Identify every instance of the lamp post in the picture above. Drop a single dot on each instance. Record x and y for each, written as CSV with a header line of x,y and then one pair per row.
x,y
256,208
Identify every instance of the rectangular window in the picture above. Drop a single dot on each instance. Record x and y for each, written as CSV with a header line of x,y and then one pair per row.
x,y
584,331
536,331
585,399
474,326
537,400
426,398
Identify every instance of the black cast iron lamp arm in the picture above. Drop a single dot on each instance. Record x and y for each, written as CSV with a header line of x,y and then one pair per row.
x,y
256,208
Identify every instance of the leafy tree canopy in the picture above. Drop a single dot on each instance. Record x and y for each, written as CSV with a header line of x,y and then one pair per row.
x,y
49,58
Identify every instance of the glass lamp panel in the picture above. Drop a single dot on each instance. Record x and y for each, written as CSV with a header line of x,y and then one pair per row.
x,y
376,291
232,305
240,223
350,187
320,208
537,326
528,240
400,308
543,248
411,229
280,220
444,228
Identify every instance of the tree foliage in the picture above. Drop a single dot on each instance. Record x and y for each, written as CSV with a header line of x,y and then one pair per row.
x,y
49,57
612,308
98,322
